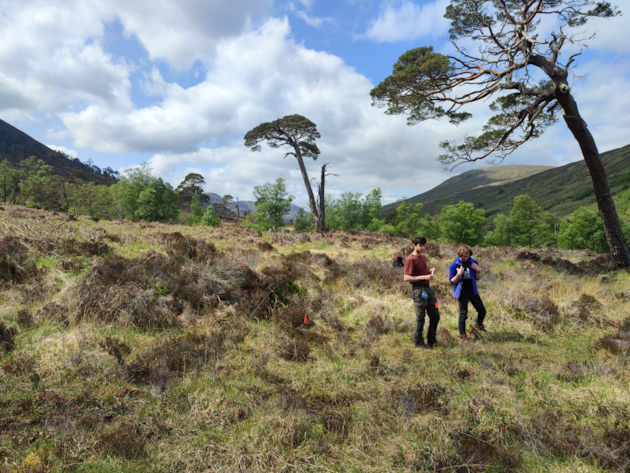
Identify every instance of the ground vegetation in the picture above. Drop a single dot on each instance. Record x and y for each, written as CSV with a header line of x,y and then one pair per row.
x,y
148,346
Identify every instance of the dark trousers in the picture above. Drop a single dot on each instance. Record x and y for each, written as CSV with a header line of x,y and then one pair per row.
x,y
422,307
467,295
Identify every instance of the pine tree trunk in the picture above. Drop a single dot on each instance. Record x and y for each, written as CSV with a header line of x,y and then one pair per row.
x,y
605,203
322,198
309,190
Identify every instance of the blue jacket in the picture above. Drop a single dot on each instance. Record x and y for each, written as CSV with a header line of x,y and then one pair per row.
x,y
457,288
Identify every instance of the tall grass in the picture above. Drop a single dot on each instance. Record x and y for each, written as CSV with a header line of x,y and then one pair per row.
x,y
185,349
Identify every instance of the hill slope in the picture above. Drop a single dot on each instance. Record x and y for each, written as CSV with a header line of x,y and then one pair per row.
x,y
15,145
560,190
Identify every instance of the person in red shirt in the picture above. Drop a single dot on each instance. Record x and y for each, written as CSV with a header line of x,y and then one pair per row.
x,y
419,276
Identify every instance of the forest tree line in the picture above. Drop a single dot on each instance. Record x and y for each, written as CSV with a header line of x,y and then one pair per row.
x,y
138,195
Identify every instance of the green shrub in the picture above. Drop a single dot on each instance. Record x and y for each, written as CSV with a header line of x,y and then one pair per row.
x,y
210,218
304,221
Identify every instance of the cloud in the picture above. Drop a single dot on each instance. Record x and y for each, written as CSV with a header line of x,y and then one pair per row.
x,y
256,77
181,32
52,58
408,21
314,21
63,149
264,74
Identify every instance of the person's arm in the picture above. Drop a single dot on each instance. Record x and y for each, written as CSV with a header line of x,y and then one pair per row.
x,y
458,275
477,269
416,279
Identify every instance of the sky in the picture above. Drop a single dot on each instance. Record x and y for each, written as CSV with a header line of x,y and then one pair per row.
x,y
179,83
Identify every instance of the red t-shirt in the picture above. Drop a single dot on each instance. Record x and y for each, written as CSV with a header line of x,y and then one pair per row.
x,y
417,266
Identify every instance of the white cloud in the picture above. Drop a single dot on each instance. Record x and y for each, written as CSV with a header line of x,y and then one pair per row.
x,y
52,58
186,30
265,74
63,149
408,21
307,3
314,21
256,77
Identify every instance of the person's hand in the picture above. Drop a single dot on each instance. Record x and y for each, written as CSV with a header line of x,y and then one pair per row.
x,y
460,270
475,266
429,277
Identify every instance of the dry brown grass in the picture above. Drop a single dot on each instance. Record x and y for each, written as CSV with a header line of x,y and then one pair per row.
x,y
185,349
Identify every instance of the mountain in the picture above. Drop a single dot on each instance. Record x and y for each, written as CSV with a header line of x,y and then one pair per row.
x,y
249,206
16,146
560,190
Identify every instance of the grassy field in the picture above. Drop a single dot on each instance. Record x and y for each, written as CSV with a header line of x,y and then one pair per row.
x,y
153,347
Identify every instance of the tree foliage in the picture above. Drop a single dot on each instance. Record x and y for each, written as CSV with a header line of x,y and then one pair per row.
x,y
273,202
462,223
428,85
210,218
303,221
354,211
191,186
584,230
527,225
9,182
144,197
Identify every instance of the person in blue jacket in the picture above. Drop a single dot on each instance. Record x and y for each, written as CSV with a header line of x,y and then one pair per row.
x,y
463,274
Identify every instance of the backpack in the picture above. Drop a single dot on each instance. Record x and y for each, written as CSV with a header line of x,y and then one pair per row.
x,y
399,261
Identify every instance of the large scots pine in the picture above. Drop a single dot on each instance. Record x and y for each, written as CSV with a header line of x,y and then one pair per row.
x,y
513,52
299,134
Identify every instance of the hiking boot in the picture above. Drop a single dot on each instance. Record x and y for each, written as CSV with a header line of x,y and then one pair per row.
x,y
423,346
481,328
463,338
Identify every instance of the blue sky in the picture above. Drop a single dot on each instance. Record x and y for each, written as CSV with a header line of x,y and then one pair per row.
x,y
178,84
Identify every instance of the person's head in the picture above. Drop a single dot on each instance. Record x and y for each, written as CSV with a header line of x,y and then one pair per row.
x,y
418,243
464,252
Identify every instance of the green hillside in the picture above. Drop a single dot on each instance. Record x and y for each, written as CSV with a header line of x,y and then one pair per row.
x,y
560,190
15,146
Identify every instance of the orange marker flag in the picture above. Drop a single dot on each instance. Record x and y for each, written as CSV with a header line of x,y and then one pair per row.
x,y
305,319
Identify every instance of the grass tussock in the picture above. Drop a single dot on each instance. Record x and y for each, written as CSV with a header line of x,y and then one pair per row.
x,y
154,347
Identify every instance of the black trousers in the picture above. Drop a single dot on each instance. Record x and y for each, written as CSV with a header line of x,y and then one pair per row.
x,y
428,306
467,295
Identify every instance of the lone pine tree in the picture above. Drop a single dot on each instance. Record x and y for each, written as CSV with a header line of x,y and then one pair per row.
x,y
297,132
511,54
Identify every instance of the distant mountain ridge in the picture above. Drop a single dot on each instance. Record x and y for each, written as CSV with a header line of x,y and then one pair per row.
x,y
560,190
15,146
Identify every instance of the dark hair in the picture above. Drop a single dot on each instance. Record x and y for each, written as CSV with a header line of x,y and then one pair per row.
x,y
463,249
419,240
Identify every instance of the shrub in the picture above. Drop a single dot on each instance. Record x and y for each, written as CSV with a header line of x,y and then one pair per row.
x,y
116,348
7,337
303,222
258,221
210,218
25,318
123,442
294,349
16,261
